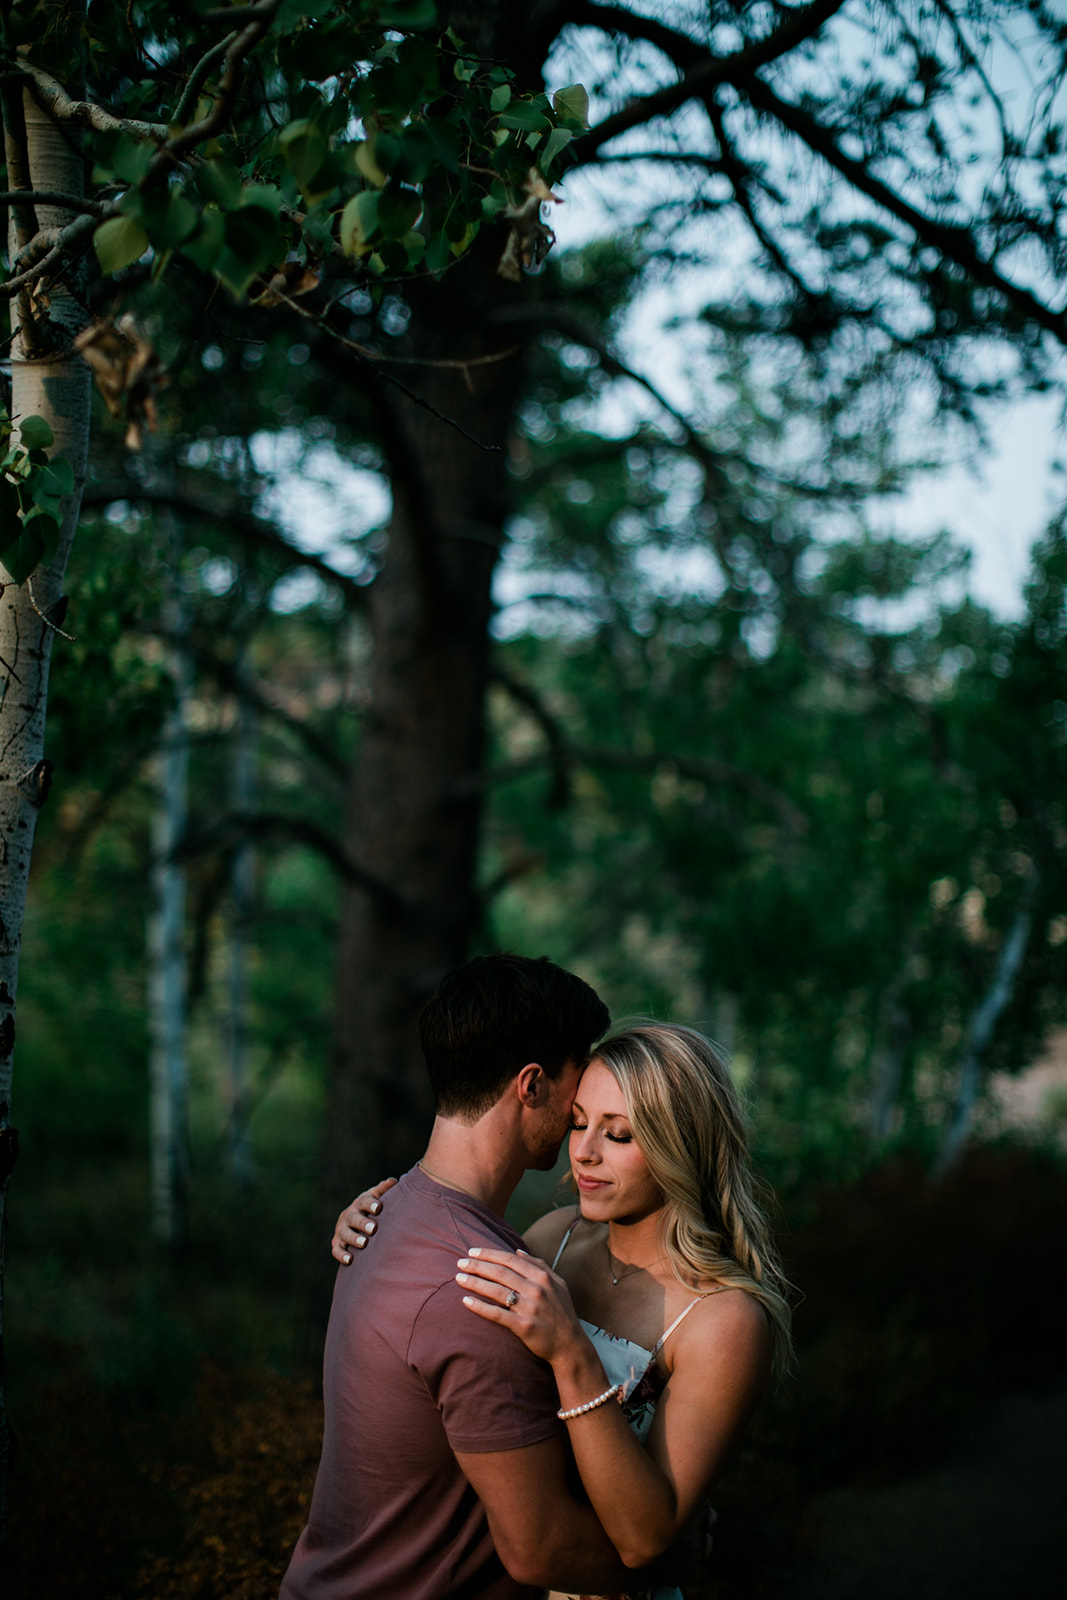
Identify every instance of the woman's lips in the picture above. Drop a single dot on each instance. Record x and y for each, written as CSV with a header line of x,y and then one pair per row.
x,y
590,1184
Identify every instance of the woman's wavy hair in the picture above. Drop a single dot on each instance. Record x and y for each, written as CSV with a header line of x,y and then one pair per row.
x,y
688,1122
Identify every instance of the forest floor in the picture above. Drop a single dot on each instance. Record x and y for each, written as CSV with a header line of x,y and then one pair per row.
x,y
990,1520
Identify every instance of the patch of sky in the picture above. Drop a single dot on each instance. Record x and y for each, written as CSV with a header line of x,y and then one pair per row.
x,y
324,504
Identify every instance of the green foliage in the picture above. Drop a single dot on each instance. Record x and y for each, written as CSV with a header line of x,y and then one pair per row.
x,y
413,133
33,486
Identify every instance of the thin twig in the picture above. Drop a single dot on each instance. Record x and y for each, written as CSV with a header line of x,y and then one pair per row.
x,y
71,638
370,359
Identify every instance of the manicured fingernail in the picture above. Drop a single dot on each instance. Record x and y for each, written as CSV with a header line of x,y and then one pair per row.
x,y
461,1277
346,1258
468,1299
369,1227
462,1262
360,1243
376,1206
475,1252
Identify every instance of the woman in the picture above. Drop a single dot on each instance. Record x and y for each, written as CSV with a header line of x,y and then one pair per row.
x,y
664,1291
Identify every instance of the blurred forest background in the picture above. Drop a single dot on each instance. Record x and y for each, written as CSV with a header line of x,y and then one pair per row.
x,y
653,689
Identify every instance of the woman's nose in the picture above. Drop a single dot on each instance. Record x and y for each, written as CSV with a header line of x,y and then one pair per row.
x,y
584,1148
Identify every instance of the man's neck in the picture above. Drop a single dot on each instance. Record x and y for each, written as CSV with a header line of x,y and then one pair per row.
x,y
477,1158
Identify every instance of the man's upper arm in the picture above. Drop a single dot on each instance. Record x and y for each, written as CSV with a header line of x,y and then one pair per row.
x,y
541,1534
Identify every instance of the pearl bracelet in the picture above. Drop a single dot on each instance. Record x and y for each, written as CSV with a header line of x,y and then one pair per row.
x,y
590,1405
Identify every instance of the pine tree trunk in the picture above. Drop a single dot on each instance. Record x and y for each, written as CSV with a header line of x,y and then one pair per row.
x,y
411,823
46,380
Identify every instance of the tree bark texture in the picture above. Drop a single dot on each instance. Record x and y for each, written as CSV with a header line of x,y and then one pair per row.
x,y
49,381
424,732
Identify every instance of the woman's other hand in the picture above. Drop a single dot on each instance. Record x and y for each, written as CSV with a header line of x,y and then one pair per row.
x,y
356,1222
523,1294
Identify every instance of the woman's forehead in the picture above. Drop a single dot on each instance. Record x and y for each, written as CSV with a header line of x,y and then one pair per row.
x,y
598,1086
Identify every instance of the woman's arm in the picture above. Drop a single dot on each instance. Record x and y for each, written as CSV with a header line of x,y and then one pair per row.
x,y
719,1361
356,1225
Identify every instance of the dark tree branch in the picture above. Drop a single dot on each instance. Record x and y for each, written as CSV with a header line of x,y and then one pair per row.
x,y
236,826
954,242
559,759
721,773
701,72
245,523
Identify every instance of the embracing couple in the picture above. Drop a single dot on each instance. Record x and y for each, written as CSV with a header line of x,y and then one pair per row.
x,y
468,1372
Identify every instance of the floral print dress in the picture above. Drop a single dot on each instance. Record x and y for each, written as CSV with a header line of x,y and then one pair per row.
x,y
643,1381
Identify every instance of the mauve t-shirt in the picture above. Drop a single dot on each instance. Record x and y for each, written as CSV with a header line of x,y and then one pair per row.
x,y
410,1376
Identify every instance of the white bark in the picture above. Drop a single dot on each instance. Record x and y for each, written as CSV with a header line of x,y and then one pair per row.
x,y
168,1066
980,1030
242,902
56,387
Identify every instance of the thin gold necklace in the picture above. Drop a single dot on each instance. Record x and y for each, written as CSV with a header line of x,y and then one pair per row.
x,y
630,1270
444,1182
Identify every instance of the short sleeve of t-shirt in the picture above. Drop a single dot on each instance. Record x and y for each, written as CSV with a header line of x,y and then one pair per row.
x,y
491,1393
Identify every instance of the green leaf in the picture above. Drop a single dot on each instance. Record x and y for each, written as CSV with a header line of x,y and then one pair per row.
x,y
366,164
55,479
359,223
524,116
264,196
398,211
437,252
35,433
131,158
169,218
305,148
36,540
558,140
119,242
253,243
220,181
500,97
571,105
203,248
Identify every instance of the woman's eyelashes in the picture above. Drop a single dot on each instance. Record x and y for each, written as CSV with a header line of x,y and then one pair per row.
x,y
616,1138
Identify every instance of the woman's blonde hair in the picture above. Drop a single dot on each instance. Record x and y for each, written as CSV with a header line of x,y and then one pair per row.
x,y
688,1122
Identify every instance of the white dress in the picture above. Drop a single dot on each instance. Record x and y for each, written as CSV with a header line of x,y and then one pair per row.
x,y
637,1370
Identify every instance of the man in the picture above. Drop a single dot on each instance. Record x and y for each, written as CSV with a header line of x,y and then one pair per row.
x,y
444,1467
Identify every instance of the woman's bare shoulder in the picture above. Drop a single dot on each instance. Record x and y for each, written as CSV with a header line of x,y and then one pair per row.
x,y
544,1237
737,1322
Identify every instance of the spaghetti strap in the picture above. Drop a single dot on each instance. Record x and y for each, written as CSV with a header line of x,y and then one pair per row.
x,y
563,1242
662,1340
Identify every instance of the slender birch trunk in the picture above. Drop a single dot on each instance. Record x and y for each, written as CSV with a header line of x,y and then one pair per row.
x,y
168,1070
242,902
980,1031
48,380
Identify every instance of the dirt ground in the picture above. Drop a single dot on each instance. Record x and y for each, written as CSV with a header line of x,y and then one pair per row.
x,y
989,1521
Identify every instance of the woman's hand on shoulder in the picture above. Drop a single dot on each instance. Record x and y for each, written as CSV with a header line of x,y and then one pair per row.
x,y
356,1223
524,1295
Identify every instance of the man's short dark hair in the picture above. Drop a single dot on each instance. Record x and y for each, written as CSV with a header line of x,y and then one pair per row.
x,y
495,1014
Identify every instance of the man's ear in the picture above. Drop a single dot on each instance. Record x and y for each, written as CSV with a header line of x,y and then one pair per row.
x,y
531,1085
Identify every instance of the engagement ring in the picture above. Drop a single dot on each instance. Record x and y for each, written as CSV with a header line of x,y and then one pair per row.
x,y
512,1299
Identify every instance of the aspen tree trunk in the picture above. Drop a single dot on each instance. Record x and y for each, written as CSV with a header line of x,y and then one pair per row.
x,y
242,903
49,381
168,1069
981,1028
